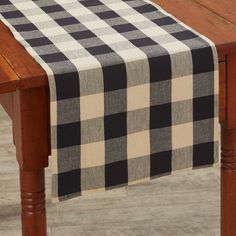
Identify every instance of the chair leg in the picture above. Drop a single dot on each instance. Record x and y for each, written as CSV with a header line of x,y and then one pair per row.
x,y
228,182
33,214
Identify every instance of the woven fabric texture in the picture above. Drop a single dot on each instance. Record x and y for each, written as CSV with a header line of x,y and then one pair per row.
x,y
134,92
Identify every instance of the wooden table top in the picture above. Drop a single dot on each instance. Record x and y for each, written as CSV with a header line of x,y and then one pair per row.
x,y
214,19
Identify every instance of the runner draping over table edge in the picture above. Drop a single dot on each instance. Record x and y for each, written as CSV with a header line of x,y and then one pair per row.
x,y
134,92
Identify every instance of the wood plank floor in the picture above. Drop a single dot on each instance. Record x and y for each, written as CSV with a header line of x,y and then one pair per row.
x,y
183,204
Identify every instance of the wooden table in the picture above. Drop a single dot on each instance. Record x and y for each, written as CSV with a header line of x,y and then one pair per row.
x,y
25,97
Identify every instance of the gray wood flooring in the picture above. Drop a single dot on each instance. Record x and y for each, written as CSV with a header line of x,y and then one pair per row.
x,y
184,204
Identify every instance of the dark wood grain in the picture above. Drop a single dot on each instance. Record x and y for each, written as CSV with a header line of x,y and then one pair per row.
x,y
222,91
224,9
31,127
231,91
33,214
31,137
228,153
9,81
228,182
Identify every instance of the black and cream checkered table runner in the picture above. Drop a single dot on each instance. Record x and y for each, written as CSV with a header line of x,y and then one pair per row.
x,y
133,91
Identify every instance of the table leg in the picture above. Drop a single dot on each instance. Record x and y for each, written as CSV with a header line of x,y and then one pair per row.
x,y
33,203
228,182
31,136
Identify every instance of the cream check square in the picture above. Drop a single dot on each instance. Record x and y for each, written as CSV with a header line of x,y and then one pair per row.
x,y
216,129
67,1
216,83
53,110
69,45
38,18
176,46
111,39
92,154
138,97
86,63
96,24
53,31
82,11
135,17
92,106
54,161
138,144
182,135
24,5
132,54
117,6
182,88
153,30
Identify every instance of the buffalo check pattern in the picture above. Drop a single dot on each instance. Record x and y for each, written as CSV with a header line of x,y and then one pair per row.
x,y
134,92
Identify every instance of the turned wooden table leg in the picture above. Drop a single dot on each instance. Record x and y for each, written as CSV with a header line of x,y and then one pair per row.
x,y
31,136
228,182
33,203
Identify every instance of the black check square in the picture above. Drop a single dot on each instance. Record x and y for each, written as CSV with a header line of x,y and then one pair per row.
x,y
160,68
25,27
67,85
115,125
99,50
203,154
143,42
145,8
184,35
202,60
42,41
203,107
12,14
68,135
114,77
160,116
66,21
54,57
164,21
53,8
83,34
107,15
124,28
161,163
4,2
69,182
91,3
118,169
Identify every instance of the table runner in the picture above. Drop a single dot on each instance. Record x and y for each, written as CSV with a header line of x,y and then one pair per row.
x,y
134,92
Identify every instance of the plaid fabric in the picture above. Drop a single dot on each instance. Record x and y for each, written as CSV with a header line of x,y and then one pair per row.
x,y
133,90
